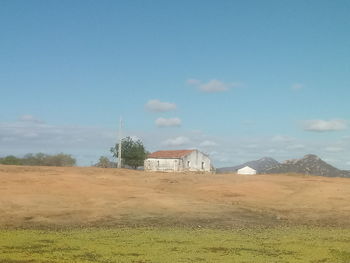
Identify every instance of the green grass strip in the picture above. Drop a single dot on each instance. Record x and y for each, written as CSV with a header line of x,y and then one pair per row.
x,y
162,245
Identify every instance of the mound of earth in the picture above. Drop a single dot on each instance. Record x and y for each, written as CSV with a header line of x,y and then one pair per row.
x,y
76,196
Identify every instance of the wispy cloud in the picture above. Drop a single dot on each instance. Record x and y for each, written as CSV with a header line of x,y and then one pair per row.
x,y
88,143
334,149
248,123
27,135
324,125
297,86
214,86
193,82
211,86
296,147
159,106
282,139
168,122
29,118
177,141
251,146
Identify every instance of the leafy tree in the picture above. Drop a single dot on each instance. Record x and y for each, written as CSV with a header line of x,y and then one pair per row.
x,y
133,152
104,162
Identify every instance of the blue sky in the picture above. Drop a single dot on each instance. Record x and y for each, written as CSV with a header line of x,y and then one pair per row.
x,y
237,79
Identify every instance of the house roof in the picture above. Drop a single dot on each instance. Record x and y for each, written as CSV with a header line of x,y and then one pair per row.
x,y
170,154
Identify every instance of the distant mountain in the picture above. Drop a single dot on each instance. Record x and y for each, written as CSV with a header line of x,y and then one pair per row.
x,y
260,165
309,164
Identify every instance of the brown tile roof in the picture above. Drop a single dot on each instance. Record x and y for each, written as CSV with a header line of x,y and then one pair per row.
x,y
170,154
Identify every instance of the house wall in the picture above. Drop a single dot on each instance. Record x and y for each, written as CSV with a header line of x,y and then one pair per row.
x,y
195,161
165,165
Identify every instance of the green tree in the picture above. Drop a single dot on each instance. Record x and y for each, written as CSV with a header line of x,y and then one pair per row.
x,y
133,152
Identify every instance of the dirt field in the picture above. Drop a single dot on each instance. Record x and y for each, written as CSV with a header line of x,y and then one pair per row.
x,y
60,197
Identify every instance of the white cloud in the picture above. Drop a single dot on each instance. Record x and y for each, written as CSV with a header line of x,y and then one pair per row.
x,y
212,86
168,122
159,106
207,143
178,141
297,86
324,126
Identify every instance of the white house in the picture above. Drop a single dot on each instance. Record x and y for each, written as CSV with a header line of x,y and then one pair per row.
x,y
178,161
246,170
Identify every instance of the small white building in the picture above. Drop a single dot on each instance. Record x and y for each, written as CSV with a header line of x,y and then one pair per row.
x,y
178,161
246,170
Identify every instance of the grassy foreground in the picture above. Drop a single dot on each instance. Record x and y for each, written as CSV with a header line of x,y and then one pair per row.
x,y
141,245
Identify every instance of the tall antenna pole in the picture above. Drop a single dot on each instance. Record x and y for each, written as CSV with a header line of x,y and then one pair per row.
x,y
120,144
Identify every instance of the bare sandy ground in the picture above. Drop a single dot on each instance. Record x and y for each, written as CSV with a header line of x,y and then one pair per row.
x,y
65,197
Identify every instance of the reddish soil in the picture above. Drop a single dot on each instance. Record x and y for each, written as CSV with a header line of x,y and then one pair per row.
x,y
66,197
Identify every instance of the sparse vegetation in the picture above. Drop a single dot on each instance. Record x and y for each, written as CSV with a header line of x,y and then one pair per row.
x,y
40,159
11,160
160,245
104,162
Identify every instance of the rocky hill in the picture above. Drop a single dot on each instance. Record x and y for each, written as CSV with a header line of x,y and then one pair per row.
x,y
261,165
309,164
